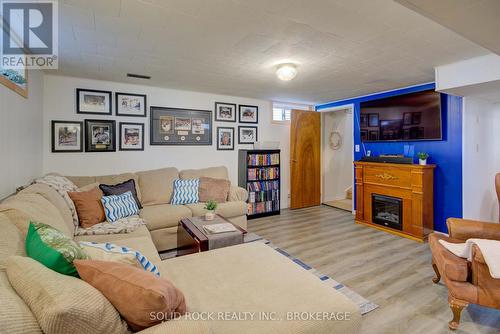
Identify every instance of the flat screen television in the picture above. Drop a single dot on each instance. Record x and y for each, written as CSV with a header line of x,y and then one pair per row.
x,y
409,117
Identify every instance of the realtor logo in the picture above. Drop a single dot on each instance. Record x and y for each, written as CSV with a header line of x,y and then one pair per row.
x,y
29,34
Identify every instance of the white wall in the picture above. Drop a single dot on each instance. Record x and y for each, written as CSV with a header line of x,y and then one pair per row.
x,y
481,158
337,164
468,72
20,135
59,104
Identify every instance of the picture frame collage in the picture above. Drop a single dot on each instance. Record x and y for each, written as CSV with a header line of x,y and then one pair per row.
x,y
230,112
167,126
99,135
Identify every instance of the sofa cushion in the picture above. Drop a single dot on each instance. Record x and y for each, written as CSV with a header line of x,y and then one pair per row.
x,y
117,207
136,294
88,206
15,315
22,208
121,188
53,249
11,242
157,185
226,210
256,278
82,181
51,195
213,172
213,189
164,215
185,191
62,304
119,253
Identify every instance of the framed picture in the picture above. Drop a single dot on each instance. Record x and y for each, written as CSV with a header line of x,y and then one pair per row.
x,y
175,126
248,114
225,139
67,136
364,135
390,129
133,105
406,134
373,135
16,80
416,118
100,135
407,118
373,120
247,134
225,112
363,120
93,102
131,136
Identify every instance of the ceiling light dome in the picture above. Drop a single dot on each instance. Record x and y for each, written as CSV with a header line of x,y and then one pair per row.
x,y
286,72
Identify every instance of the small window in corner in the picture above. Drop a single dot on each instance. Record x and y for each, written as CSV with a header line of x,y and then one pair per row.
x,y
282,112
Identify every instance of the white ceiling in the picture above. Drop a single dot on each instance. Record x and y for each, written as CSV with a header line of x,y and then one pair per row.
x,y
344,48
476,20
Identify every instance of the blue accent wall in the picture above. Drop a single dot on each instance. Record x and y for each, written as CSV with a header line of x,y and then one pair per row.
x,y
446,153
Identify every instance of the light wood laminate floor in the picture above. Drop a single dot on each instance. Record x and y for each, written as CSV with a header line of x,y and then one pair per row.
x,y
391,271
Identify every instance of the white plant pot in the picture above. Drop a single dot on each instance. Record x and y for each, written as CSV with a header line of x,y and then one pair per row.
x,y
422,162
210,215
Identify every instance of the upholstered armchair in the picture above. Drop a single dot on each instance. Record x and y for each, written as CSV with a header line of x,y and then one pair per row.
x,y
467,282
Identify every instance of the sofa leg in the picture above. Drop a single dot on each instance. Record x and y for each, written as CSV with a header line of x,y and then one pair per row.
x,y
438,275
456,306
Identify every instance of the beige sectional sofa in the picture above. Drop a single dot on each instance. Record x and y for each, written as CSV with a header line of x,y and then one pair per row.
x,y
155,188
249,278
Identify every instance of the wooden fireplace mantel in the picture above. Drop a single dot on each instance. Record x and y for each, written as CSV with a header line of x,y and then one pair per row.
x,y
413,184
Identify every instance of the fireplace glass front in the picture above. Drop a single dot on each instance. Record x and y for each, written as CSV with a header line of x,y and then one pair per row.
x,y
387,211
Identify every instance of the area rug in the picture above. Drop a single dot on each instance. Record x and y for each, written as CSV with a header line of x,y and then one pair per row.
x,y
364,304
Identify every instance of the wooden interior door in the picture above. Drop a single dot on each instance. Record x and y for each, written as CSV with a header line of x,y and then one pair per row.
x,y
305,159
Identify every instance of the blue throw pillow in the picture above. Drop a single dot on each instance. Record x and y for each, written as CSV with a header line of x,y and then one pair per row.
x,y
119,206
186,191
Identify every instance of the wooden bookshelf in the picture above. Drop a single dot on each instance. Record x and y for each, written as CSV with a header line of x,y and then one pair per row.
x,y
259,172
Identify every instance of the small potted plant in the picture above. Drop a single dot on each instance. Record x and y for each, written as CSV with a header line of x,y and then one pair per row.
x,y
422,158
210,206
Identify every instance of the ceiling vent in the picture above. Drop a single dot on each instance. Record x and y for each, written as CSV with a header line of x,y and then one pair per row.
x,y
138,76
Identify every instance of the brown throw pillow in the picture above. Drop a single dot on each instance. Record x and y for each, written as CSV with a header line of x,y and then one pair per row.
x,y
135,293
88,207
213,189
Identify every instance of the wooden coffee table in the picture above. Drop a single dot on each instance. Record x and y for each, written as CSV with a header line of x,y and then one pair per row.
x,y
194,239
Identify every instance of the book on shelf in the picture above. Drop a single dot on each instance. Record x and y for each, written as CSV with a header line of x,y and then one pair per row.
x,y
263,207
260,174
266,173
263,159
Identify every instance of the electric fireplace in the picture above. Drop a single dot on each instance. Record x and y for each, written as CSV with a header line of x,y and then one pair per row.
x,y
387,211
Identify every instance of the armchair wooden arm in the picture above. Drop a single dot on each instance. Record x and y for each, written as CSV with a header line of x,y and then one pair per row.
x,y
463,229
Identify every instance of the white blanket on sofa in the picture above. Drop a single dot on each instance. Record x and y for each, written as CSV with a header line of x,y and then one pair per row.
x,y
489,248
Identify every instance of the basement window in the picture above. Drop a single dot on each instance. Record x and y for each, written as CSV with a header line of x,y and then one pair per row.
x,y
282,112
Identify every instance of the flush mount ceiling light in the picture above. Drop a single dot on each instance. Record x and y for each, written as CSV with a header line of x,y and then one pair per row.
x,y
286,72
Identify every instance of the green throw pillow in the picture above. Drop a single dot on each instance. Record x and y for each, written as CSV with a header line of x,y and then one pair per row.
x,y
53,249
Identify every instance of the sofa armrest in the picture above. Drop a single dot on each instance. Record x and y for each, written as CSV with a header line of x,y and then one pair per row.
x,y
179,326
464,229
237,194
488,286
